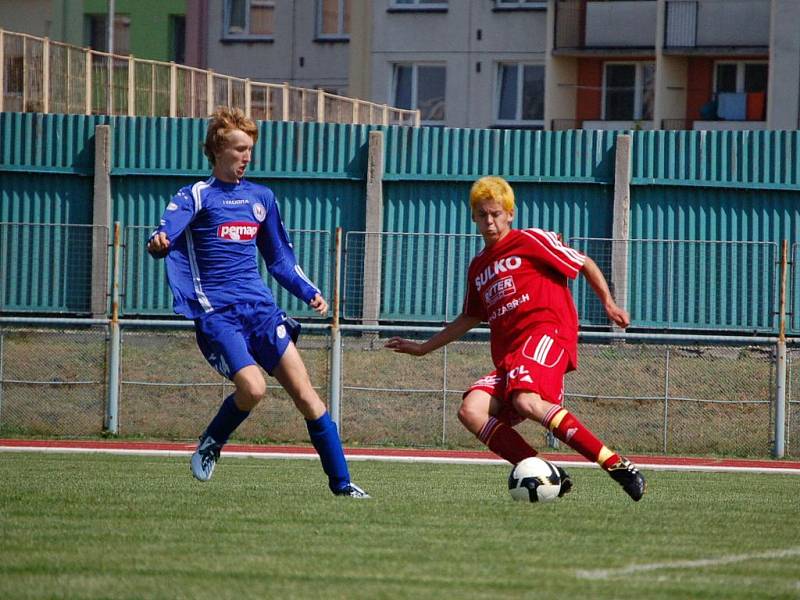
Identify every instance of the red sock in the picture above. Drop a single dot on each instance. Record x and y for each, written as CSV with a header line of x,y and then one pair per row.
x,y
505,441
578,437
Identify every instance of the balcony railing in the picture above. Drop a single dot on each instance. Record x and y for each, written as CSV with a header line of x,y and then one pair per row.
x,y
587,25
39,75
717,24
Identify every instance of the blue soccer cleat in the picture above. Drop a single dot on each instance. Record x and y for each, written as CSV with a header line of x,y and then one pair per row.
x,y
205,458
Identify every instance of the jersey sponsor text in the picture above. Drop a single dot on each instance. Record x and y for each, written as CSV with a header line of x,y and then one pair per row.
x,y
502,265
237,231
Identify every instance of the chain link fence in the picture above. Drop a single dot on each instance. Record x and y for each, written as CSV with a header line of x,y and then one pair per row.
x,y
722,286
168,390
688,397
713,286
640,397
52,382
51,267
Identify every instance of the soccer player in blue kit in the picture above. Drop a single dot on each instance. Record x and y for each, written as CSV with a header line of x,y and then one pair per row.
x,y
209,234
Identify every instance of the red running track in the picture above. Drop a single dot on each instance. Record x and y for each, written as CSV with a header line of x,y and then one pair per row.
x,y
392,454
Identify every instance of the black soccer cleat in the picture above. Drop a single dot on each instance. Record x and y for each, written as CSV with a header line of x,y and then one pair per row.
x,y
628,476
566,482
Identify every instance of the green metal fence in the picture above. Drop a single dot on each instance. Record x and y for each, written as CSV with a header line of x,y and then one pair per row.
x,y
48,267
686,186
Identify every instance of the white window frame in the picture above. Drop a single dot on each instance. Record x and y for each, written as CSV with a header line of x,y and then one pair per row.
x,y
341,35
740,66
418,6
517,120
638,88
414,87
245,35
520,4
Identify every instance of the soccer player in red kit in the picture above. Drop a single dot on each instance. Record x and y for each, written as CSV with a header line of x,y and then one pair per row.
x,y
518,284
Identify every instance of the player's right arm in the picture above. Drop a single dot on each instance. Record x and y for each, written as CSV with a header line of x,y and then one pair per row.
x,y
179,213
452,331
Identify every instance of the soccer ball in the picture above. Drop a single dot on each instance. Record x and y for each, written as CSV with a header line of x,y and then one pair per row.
x,y
534,480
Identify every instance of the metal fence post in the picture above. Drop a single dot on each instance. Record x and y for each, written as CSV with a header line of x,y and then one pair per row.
x,y
666,401
2,339
335,377
780,367
112,404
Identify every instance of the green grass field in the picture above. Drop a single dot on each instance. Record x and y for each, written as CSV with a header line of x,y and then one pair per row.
x,y
97,526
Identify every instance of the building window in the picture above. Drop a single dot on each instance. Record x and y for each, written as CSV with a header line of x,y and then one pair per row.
x,y
434,5
420,87
333,19
249,19
628,91
738,77
177,38
740,90
97,33
520,94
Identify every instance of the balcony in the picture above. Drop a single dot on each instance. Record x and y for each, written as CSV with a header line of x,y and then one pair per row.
x,y
688,124
603,28
733,26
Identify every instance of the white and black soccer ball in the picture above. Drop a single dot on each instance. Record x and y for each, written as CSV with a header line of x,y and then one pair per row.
x,y
534,480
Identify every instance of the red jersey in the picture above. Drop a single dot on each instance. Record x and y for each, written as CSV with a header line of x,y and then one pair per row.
x,y
519,286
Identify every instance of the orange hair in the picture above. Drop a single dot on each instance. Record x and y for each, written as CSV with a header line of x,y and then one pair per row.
x,y
223,121
492,188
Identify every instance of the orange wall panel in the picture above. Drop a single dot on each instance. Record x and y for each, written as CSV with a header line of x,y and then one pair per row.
x,y
590,83
700,82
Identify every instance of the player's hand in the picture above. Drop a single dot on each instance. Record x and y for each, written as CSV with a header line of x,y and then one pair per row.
x,y
158,246
618,315
405,346
319,304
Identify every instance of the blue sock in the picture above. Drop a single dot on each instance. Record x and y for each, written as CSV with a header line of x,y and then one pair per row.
x,y
226,421
325,438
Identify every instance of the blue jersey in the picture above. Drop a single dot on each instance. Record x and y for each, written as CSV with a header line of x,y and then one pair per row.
x,y
214,228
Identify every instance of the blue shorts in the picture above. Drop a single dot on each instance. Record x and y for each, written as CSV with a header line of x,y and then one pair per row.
x,y
241,335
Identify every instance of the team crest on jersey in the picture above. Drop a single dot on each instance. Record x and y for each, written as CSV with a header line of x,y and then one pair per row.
x,y
237,231
259,211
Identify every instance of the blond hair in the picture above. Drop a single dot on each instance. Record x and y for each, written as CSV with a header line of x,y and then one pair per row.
x,y
223,121
492,188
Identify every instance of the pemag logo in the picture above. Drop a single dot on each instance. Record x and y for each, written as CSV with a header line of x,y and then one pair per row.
x,y
498,267
237,231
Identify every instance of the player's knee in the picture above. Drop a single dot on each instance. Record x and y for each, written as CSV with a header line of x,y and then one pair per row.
x,y
250,394
471,417
530,406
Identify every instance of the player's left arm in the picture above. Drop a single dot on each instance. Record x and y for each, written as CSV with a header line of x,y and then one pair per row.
x,y
276,249
595,277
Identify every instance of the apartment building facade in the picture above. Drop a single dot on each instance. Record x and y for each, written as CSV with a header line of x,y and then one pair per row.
x,y
303,43
673,64
564,64
537,64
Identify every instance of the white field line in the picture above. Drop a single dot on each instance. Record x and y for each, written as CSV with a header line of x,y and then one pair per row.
x,y
686,564
394,458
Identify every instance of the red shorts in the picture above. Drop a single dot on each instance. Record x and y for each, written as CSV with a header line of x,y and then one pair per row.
x,y
538,366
